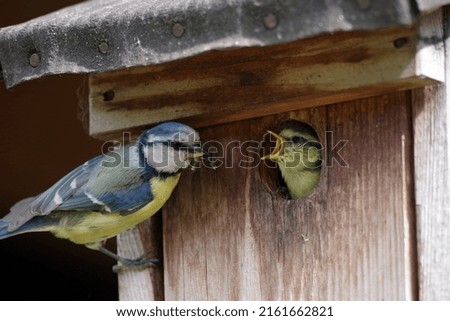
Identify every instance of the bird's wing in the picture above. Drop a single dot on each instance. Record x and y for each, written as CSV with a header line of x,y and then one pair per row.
x,y
22,205
89,187
49,200
122,190
66,187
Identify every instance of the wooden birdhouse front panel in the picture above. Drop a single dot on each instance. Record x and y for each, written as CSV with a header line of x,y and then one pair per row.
x,y
226,237
364,233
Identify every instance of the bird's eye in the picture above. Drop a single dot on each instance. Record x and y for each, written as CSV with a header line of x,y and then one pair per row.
x,y
176,145
298,140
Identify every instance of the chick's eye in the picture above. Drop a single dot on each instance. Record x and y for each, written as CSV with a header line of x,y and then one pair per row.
x,y
298,140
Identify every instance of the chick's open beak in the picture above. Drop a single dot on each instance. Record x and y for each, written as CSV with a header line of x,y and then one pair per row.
x,y
277,150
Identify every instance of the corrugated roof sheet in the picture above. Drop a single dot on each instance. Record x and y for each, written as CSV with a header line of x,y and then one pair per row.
x,y
103,35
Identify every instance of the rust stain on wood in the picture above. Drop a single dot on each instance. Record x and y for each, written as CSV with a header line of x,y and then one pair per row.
x,y
252,82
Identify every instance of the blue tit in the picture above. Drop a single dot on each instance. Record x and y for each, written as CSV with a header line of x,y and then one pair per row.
x,y
110,193
297,154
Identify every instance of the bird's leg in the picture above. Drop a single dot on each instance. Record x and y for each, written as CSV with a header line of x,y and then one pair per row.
x,y
139,263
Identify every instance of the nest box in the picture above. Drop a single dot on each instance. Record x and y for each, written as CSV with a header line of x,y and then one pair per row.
x,y
369,76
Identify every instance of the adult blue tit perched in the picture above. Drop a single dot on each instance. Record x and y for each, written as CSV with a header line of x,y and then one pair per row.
x,y
110,193
298,157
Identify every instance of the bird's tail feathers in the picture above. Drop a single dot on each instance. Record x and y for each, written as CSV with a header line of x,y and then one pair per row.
x,y
4,229
34,225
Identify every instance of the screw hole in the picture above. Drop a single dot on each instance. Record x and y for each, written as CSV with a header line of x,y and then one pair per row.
x,y
108,95
400,42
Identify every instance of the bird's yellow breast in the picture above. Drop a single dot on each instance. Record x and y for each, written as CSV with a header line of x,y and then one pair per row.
x,y
94,227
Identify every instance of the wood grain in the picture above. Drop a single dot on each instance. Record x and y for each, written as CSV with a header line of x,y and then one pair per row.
x,y
431,158
227,238
143,240
224,86
431,47
431,120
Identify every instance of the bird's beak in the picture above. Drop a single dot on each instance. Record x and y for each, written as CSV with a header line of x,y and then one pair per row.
x,y
196,152
276,152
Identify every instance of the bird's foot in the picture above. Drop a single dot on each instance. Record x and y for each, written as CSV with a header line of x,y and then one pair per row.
x,y
134,264
124,263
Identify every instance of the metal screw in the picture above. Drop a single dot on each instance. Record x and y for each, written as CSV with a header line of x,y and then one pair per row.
x,y
363,4
400,42
270,21
34,60
103,47
178,30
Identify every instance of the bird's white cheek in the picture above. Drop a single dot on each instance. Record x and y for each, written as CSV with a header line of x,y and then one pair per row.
x,y
184,160
165,159
159,156
179,159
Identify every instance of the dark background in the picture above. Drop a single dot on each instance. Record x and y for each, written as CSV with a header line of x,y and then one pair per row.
x,y
41,139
